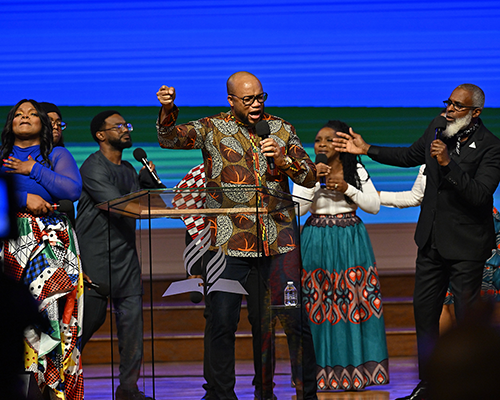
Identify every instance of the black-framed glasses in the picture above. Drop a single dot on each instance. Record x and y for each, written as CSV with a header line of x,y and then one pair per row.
x,y
127,125
457,106
249,100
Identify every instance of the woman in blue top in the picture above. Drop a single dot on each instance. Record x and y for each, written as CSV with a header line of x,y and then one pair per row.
x,y
43,175
44,256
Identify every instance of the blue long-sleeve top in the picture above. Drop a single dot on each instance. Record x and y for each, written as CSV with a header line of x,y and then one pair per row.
x,y
61,182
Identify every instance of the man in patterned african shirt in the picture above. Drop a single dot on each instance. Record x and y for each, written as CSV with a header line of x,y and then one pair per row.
x,y
235,157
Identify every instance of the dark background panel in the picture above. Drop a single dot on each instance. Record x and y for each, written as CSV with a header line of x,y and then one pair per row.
x,y
398,125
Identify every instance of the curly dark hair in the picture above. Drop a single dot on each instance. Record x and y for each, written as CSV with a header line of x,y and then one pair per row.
x,y
46,137
349,161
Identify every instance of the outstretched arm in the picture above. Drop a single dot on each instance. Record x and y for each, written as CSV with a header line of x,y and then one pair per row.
x,y
350,143
409,198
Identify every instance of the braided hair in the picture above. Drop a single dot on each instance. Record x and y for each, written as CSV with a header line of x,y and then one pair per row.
x,y
349,161
46,139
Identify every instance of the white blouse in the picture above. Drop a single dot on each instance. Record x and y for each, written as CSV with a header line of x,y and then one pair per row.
x,y
331,202
409,198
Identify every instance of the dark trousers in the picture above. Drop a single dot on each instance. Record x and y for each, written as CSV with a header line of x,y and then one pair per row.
x,y
254,286
129,328
251,286
432,276
223,318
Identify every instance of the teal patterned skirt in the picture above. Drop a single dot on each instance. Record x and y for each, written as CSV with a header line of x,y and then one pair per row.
x,y
341,293
490,286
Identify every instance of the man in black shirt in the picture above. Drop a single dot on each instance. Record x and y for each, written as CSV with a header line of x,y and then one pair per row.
x,y
106,176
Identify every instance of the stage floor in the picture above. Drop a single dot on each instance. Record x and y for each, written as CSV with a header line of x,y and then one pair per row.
x,y
184,381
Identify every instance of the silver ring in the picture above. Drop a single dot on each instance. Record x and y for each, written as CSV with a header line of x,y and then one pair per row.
x,y
336,185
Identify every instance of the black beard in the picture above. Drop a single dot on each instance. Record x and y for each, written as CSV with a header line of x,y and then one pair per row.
x,y
119,144
244,118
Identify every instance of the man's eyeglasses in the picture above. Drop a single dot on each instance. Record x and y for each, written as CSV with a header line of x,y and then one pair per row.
x,y
457,106
128,126
61,125
249,100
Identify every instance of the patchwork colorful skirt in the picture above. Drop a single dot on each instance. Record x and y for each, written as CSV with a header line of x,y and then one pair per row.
x,y
45,257
341,293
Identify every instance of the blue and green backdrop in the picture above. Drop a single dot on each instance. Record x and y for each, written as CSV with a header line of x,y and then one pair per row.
x,y
383,67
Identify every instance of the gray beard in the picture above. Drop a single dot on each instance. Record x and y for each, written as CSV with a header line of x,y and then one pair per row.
x,y
456,126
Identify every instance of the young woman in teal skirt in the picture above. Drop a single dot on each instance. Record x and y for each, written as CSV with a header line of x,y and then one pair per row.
x,y
340,283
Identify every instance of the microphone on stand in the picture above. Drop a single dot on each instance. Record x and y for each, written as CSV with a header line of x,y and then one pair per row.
x,y
140,155
321,158
262,130
440,126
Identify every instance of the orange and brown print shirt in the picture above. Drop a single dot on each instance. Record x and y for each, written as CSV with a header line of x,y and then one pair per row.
x,y
234,166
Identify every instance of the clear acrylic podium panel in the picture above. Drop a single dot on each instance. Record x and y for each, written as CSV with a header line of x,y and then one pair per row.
x,y
187,202
160,203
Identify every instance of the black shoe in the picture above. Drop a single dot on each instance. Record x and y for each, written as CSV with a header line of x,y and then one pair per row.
x,y
209,395
419,393
132,394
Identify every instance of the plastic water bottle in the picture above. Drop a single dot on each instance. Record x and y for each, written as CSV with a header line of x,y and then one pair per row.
x,y
290,294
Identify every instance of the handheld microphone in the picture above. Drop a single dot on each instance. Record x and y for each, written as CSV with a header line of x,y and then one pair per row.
x,y
140,155
440,125
195,297
100,288
262,130
196,269
321,158
64,206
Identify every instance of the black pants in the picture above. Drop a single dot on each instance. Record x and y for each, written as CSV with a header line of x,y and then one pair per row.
x,y
252,288
129,328
432,276
223,318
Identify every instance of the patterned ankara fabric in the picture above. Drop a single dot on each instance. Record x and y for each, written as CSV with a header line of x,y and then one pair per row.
x,y
195,178
490,287
342,297
45,257
233,160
